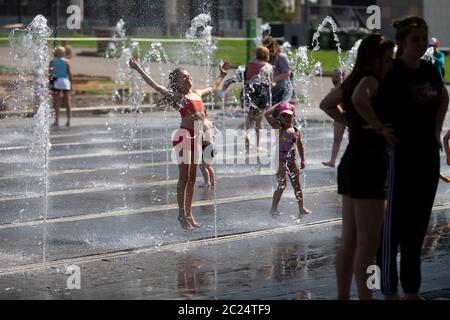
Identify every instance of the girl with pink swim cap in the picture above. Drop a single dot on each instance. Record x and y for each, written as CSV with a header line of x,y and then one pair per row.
x,y
289,141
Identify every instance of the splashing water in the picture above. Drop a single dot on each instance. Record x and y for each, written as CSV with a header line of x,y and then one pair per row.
x,y
114,47
350,58
429,55
198,26
156,52
127,81
204,48
30,52
315,39
263,30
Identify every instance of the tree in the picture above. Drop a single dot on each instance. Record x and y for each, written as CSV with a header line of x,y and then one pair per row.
x,y
274,10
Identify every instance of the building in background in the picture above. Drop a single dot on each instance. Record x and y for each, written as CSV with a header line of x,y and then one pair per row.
x,y
172,17
435,12
142,17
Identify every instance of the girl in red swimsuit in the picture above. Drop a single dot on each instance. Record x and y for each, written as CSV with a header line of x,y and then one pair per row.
x,y
186,140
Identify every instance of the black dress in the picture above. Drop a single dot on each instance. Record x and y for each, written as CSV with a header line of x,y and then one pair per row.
x,y
362,170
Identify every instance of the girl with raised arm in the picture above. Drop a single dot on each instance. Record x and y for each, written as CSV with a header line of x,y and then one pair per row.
x,y
187,140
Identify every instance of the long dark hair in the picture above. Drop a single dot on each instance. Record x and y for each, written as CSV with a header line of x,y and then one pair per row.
x,y
372,48
270,42
404,27
173,77
167,101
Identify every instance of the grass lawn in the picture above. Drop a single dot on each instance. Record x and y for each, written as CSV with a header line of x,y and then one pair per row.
x,y
232,50
6,70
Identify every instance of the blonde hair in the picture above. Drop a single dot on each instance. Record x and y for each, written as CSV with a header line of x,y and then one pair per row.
x,y
60,52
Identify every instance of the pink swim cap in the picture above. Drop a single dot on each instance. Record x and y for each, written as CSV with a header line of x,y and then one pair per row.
x,y
286,107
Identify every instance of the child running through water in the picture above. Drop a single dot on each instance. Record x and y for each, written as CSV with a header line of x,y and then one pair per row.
x,y
187,140
289,141
209,152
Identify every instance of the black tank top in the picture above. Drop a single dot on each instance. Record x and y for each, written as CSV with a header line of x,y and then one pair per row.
x,y
360,138
414,97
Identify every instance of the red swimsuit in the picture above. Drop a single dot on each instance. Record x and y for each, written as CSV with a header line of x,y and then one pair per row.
x,y
186,134
191,107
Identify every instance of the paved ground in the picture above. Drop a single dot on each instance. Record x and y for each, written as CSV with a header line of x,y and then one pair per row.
x,y
112,212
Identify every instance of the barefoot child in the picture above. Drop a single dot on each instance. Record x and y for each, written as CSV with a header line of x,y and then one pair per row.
x,y
61,73
187,139
289,141
208,153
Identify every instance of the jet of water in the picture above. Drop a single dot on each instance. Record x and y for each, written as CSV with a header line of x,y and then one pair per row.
x,y
315,40
30,52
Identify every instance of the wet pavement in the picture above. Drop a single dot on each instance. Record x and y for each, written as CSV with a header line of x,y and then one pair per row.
x,y
112,211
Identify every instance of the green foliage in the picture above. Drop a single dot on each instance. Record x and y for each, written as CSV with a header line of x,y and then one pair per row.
x,y
274,10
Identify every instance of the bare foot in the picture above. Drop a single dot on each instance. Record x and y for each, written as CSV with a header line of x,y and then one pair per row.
x,y
184,222
192,222
329,164
205,185
304,211
275,213
413,296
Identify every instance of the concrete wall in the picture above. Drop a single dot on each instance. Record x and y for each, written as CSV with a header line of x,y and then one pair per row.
x,y
394,9
437,15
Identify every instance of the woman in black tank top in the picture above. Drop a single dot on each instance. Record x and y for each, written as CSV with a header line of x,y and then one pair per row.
x,y
363,168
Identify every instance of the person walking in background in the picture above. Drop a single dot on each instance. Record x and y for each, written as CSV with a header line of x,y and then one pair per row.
x,y
439,57
61,79
362,171
257,92
282,91
338,128
419,102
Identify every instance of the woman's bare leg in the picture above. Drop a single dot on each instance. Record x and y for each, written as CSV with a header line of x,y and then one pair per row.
x,y
345,254
369,215
338,134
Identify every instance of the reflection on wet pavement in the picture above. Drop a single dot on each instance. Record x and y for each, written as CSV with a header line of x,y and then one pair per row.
x,y
114,215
